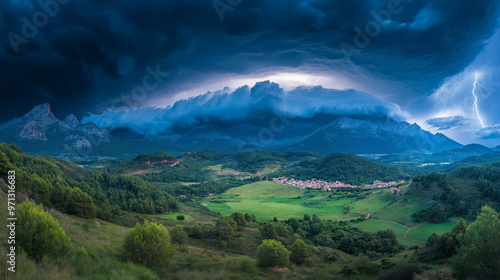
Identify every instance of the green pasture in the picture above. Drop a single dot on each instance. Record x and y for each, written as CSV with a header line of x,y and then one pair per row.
x,y
267,200
375,201
375,225
422,233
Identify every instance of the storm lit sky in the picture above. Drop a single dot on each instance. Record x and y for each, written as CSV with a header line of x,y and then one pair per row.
x,y
126,63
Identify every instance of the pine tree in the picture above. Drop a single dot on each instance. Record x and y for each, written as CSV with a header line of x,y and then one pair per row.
x,y
479,255
81,204
240,220
298,252
226,227
268,231
4,164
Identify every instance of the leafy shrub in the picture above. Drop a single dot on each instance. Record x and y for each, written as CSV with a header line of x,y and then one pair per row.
x,y
149,244
178,235
272,253
38,234
181,218
247,265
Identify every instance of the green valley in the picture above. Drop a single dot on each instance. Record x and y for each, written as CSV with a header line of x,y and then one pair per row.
x,y
215,212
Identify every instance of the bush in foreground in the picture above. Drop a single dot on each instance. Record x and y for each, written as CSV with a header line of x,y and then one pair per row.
x,y
38,234
149,244
479,255
271,253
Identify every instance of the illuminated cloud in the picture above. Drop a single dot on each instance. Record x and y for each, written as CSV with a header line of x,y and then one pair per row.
x,y
254,107
93,52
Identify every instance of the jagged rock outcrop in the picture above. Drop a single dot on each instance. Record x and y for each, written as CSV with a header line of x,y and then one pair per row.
x,y
41,132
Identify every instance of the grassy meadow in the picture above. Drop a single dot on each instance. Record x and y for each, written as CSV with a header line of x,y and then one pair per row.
x,y
267,200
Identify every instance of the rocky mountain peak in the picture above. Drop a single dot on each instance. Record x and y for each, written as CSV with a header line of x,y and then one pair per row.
x,y
42,115
71,120
39,130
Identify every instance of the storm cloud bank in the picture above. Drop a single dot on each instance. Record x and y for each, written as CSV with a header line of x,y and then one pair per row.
x,y
246,107
88,53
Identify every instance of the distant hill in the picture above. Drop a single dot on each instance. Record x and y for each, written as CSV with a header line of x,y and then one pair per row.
x,y
474,160
471,149
53,182
132,147
461,192
253,161
441,159
353,169
497,148
344,167
146,162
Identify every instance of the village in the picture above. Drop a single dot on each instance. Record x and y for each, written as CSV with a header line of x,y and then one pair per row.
x,y
328,186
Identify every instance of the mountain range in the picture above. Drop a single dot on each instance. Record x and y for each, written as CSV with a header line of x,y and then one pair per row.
x,y
472,153
331,134
39,131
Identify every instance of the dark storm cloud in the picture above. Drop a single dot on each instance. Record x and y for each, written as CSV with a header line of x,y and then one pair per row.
x,y
91,52
446,123
252,107
490,132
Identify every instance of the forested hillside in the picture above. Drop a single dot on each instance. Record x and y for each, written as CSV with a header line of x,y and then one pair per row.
x,y
74,190
244,246
347,168
461,192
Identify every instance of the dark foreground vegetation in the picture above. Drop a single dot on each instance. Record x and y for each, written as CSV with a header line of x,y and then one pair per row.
x,y
80,224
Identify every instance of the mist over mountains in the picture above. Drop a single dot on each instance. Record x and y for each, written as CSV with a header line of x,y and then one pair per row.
x,y
262,117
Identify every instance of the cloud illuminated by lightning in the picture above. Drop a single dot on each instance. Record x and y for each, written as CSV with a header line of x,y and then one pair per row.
x,y
475,99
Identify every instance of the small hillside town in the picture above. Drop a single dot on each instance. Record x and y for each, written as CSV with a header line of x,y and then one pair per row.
x,y
328,186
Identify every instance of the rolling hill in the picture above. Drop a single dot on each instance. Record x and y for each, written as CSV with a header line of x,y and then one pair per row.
x,y
344,167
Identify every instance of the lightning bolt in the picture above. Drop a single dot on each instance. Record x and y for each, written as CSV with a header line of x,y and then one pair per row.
x,y
475,108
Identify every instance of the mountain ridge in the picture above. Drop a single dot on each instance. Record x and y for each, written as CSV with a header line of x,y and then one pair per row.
x,y
39,131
